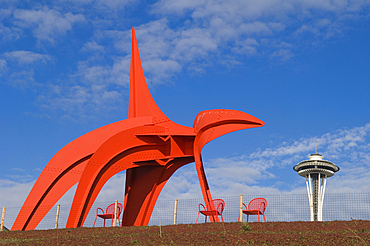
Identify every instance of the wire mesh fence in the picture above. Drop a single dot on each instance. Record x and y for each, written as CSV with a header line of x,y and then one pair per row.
x,y
282,207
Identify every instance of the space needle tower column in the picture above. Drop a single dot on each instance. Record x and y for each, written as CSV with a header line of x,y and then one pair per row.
x,y
316,170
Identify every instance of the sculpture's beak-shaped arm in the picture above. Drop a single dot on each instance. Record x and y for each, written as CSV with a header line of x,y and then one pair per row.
x,y
211,124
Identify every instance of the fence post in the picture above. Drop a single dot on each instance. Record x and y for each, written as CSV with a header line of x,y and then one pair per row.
x,y
2,219
57,217
241,208
175,213
115,213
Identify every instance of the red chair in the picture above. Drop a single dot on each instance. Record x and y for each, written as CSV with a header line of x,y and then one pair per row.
x,y
214,207
256,206
109,213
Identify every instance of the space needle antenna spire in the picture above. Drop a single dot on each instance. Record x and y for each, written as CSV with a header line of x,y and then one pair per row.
x,y
316,171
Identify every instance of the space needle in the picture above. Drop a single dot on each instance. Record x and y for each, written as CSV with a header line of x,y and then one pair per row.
x,y
316,170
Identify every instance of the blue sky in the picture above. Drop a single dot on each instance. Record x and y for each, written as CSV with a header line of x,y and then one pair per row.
x,y
300,66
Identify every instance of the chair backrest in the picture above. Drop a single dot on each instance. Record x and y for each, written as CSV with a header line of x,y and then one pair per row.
x,y
258,204
216,204
110,209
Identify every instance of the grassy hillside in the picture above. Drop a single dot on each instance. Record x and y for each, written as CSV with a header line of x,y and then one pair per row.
x,y
355,232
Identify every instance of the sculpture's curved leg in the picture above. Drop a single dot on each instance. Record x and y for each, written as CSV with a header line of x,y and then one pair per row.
x,y
204,184
211,124
30,216
64,170
84,200
140,199
81,207
119,146
139,184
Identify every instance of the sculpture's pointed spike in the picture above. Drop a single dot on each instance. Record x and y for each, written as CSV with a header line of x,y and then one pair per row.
x,y
141,102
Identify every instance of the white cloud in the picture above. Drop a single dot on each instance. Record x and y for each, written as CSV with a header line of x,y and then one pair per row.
x,y
113,189
219,22
247,173
172,49
283,54
247,46
27,57
177,7
163,51
114,4
47,23
22,75
336,145
3,66
307,28
101,5
78,102
23,79
230,10
352,178
162,69
323,22
92,90
194,44
211,26
90,73
93,46
93,74
256,27
236,9
14,193
9,33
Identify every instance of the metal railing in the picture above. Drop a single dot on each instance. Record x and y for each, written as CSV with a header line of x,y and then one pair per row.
x,y
282,207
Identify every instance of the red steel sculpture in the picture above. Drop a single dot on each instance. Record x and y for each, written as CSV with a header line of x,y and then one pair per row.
x,y
148,145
